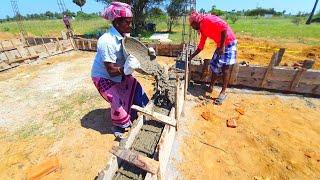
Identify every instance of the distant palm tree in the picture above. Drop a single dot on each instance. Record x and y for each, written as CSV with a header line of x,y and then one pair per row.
x,y
312,12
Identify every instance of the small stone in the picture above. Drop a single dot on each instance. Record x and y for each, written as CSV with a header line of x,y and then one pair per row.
x,y
289,167
231,123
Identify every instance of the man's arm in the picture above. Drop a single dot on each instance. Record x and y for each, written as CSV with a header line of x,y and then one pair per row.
x,y
113,69
223,36
199,48
196,52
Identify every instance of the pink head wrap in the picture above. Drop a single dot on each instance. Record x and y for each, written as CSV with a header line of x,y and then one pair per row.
x,y
116,10
195,17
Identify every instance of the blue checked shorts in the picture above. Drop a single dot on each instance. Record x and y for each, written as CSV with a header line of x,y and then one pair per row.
x,y
228,58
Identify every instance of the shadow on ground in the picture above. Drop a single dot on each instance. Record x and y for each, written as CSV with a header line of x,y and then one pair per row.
x,y
99,120
199,90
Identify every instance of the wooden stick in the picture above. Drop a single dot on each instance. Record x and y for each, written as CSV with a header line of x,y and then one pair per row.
x,y
296,80
186,72
83,46
156,116
213,146
19,52
59,45
269,69
177,117
134,131
89,45
234,74
73,44
4,51
35,42
45,46
280,55
136,159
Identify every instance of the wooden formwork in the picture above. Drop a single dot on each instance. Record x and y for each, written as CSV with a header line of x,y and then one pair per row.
x,y
14,52
156,166
285,79
172,50
86,44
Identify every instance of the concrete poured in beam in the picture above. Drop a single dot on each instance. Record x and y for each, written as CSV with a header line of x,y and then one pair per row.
x,y
156,116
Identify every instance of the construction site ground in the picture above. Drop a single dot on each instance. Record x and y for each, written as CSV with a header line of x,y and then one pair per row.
x,y
51,109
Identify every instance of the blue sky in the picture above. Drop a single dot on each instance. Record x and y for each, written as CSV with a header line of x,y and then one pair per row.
x,y
37,6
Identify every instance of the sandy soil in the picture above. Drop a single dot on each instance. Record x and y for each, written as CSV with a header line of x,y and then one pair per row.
x,y
52,109
277,137
6,36
259,51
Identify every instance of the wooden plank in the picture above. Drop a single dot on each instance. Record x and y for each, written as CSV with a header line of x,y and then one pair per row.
x,y
311,77
296,80
89,45
83,46
156,116
280,55
41,170
186,74
111,168
165,146
143,162
16,65
22,59
177,105
234,74
3,49
163,149
280,78
269,69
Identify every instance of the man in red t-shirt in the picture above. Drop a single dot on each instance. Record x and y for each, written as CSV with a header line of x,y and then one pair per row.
x,y
213,27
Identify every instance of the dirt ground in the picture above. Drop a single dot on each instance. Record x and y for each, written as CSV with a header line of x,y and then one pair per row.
x,y
50,109
6,36
259,51
277,137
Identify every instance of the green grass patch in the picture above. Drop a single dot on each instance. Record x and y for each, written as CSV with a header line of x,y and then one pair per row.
x,y
28,131
280,29
54,27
